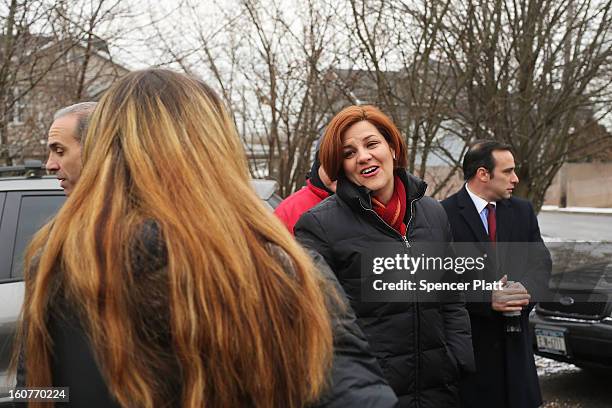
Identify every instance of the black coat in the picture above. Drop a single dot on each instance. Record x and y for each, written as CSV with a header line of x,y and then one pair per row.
x,y
356,379
421,348
505,376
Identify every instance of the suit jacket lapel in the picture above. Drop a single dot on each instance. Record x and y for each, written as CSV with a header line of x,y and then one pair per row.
x,y
467,209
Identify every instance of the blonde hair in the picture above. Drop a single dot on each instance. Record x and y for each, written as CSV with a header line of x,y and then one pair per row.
x,y
244,330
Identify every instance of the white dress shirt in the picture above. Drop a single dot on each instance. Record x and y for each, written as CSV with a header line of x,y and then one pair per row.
x,y
481,207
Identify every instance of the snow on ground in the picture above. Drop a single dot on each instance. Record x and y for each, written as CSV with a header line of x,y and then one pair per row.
x,y
586,210
546,366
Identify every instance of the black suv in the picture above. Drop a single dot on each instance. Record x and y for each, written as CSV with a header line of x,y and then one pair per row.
x,y
26,203
576,325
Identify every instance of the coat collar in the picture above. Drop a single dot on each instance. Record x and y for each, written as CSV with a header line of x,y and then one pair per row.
x,y
505,219
468,211
358,197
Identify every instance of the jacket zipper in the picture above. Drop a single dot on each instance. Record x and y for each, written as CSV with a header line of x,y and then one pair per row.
x,y
416,303
389,228
393,231
417,321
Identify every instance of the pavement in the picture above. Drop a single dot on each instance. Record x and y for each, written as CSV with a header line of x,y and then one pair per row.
x,y
560,226
567,386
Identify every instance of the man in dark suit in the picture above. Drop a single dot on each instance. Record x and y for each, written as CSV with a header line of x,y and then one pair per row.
x,y
485,213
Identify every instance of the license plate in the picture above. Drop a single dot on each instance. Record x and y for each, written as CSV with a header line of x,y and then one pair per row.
x,y
551,340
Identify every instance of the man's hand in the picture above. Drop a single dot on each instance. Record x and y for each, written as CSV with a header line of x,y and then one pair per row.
x,y
512,298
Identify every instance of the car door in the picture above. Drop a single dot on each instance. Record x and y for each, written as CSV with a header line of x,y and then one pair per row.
x,y
22,214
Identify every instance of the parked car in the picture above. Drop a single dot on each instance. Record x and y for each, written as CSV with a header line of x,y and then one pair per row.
x,y
576,325
266,190
26,203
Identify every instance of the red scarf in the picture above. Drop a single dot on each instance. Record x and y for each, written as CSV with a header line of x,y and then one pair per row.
x,y
319,192
394,212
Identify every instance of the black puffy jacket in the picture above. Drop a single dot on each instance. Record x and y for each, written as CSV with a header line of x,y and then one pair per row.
x,y
421,347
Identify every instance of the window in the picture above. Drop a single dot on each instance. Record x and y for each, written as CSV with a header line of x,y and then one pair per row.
x,y
34,212
16,113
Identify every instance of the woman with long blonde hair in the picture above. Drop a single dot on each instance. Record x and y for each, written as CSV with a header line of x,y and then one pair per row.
x,y
163,280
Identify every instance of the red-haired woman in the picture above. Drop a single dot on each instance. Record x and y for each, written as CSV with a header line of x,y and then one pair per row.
x,y
421,347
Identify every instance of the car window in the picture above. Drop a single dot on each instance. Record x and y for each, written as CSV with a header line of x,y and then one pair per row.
x,y
34,211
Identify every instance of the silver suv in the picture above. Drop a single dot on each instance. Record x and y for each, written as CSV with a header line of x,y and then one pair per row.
x,y
27,202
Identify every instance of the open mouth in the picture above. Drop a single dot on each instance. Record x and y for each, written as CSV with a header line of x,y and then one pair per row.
x,y
370,171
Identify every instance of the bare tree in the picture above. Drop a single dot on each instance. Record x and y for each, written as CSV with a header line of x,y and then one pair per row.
x,y
538,78
532,73
20,69
270,60
54,54
93,27
398,43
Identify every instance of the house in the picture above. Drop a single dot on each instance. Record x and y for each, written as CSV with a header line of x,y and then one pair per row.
x,y
52,74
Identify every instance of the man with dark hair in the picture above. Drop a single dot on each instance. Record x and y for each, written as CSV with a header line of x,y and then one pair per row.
x,y
66,136
318,187
485,213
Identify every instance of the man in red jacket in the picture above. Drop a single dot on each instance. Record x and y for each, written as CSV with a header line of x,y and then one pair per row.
x,y
318,187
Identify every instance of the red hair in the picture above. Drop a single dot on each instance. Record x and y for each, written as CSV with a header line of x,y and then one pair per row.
x,y
331,152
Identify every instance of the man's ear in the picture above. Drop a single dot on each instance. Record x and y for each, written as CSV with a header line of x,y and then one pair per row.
x,y
483,174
